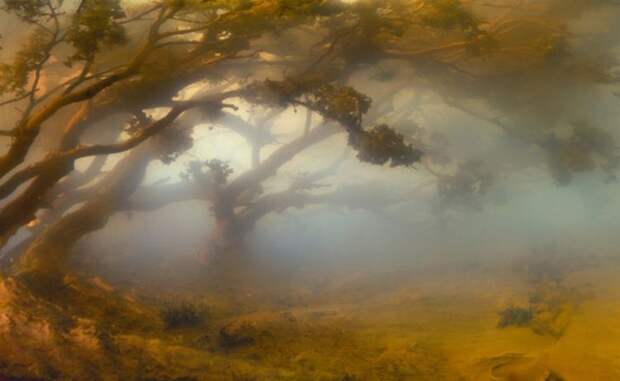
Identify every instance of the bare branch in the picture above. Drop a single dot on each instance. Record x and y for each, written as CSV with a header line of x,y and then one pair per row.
x,y
281,156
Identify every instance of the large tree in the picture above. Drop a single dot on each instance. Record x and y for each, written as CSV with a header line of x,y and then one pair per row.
x,y
94,79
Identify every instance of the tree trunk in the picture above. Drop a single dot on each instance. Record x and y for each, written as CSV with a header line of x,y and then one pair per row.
x,y
44,264
227,235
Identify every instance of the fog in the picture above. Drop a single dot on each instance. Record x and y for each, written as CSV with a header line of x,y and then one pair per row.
x,y
505,183
523,209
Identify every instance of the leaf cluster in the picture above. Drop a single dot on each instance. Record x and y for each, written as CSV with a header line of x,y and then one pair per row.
x,y
181,315
14,77
215,170
379,145
382,144
94,26
27,10
343,104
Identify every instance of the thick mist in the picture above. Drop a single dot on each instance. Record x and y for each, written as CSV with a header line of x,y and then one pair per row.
x,y
523,208
492,254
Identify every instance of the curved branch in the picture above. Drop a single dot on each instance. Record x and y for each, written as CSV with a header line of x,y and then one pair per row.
x,y
281,156
68,157
28,128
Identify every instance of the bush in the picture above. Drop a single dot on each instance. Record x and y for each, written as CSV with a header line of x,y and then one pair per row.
x,y
181,315
515,316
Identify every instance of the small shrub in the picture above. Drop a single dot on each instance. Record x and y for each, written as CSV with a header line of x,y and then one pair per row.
x,y
515,316
181,315
236,335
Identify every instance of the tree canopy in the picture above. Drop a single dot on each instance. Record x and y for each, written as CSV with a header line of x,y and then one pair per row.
x,y
166,68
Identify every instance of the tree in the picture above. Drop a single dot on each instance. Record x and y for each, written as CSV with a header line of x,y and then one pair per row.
x,y
88,60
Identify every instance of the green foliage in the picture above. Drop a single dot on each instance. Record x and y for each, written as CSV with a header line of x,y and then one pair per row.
x,y
240,21
451,15
515,316
15,76
181,315
382,144
219,169
95,26
214,170
246,21
551,302
551,306
279,93
379,145
26,10
344,104
135,125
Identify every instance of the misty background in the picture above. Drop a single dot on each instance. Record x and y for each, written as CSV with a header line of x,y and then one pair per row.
x,y
523,209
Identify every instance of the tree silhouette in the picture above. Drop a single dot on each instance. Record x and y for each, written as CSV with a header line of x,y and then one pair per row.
x,y
83,62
